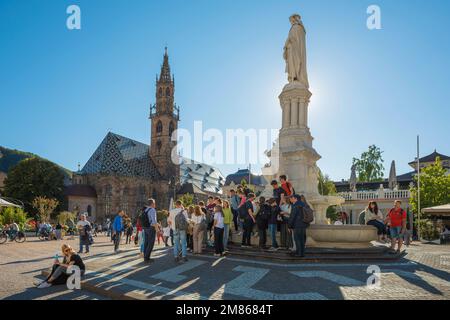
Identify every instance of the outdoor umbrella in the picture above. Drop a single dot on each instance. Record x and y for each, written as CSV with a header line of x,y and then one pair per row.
x,y
392,176
4,203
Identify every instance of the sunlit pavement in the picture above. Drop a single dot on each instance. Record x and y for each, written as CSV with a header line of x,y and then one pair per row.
x,y
422,274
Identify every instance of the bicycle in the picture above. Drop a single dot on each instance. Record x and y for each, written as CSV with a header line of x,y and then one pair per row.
x,y
19,237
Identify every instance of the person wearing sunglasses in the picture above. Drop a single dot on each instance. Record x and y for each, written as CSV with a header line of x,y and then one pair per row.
x,y
59,274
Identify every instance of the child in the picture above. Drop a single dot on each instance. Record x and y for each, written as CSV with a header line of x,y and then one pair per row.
x,y
218,230
166,235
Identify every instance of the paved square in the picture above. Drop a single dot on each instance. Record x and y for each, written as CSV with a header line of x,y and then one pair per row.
x,y
422,274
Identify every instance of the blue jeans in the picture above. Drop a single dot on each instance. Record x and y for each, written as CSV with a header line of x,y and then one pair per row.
x,y
226,232
300,240
179,237
273,234
81,245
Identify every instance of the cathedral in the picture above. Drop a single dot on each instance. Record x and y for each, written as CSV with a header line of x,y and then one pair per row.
x,y
123,173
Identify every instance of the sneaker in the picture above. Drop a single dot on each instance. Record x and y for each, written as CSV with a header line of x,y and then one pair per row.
x,y
44,285
177,259
184,259
273,249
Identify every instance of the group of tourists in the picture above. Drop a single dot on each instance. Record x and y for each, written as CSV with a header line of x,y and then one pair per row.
x,y
195,227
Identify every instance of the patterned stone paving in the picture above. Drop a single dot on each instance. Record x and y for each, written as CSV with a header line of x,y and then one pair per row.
x,y
422,274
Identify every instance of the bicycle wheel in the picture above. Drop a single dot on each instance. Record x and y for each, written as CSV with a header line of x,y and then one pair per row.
x,y
3,238
20,238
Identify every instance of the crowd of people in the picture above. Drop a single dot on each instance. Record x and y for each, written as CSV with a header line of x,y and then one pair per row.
x,y
193,228
281,221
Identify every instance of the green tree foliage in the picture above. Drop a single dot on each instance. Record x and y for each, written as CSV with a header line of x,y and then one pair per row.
x,y
187,199
434,187
326,186
10,215
34,177
66,218
45,207
370,166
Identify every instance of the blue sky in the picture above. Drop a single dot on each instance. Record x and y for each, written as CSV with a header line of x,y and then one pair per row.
x,y
61,91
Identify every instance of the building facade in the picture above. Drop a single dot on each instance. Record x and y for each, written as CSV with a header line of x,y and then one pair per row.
x,y
122,174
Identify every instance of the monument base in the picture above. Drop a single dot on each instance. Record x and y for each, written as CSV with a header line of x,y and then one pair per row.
x,y
328,237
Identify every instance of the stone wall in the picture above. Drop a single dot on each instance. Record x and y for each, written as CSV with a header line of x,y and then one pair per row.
x,y
130,194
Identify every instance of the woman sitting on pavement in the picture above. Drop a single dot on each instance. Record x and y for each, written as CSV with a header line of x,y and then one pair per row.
x,y
59,270
374,217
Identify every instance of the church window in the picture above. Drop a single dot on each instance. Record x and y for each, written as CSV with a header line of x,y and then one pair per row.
x,y
158,146
167,92
159,127
160,92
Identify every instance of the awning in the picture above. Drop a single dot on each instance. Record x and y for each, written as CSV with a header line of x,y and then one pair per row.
x,y
4,203
441,211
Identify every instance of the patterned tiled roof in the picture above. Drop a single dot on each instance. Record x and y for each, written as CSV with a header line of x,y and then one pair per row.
x,y
204,177
121,156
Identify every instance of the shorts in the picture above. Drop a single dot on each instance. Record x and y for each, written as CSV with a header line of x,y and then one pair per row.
x,y
395,232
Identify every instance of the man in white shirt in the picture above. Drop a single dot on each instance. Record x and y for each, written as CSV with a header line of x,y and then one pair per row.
x,y
84,227
179,236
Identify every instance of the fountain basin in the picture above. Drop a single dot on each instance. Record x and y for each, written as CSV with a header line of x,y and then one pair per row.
x,y
340,237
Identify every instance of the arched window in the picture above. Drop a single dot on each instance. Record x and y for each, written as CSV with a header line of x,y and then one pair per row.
x,y
159,127
107,199
158,146
167,92
160,93
171,128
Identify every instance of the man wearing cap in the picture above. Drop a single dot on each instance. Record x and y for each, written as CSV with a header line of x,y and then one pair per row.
x,y
297,225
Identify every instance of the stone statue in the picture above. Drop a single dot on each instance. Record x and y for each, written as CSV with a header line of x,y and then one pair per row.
x,y
295,52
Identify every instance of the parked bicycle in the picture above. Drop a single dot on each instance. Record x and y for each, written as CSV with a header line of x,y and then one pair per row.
x,y
19,237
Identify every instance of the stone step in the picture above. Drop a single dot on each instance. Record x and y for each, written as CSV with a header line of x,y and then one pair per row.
x,y
314,254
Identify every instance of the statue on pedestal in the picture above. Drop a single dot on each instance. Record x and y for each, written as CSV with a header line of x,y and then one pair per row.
x,y
295,52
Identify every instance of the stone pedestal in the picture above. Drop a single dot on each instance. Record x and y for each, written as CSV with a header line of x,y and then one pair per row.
x,y
297,157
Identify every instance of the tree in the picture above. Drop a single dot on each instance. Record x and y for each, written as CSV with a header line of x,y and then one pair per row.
x,y
370,167
34,177
187,199
45,207
65,217
434,187
326,186
10,215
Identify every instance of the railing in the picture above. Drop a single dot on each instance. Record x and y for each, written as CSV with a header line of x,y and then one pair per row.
x,y
375,195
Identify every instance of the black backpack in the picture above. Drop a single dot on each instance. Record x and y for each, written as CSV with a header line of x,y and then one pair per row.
x,y
243,212
264,213
143,217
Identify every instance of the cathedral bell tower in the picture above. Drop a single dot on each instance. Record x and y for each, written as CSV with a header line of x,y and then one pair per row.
x,y
164,116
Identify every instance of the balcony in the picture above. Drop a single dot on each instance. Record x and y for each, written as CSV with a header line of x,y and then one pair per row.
x,y
380,194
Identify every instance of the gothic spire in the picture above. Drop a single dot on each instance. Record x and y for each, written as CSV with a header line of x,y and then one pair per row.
x,y
165,69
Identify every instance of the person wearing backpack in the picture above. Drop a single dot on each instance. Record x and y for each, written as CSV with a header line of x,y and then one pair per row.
x,y
178,221
262,221
297,224
150,228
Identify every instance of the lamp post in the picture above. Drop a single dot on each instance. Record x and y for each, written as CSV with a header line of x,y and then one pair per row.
x,y
418,189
